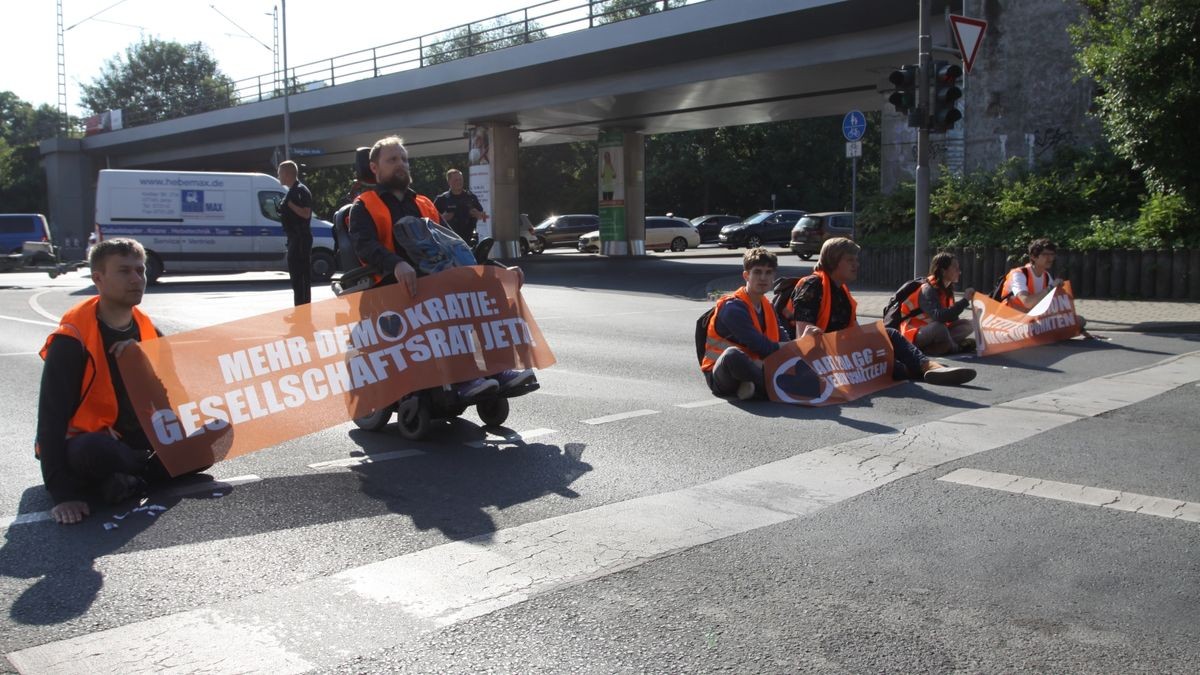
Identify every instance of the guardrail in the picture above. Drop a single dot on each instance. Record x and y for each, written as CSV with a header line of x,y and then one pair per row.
x,y
522,26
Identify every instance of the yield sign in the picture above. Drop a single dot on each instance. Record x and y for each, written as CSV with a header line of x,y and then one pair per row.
x,y
968,33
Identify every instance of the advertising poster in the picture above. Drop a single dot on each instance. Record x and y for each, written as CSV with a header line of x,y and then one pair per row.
x,y
1000,328
612,185
479,148
831,368
227,390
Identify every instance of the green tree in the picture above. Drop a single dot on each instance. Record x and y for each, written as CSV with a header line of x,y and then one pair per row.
x,y
620,10
22,126
21,123
470,40
1143,55
159,80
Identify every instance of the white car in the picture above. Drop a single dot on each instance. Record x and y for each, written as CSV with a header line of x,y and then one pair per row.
x,y
662,233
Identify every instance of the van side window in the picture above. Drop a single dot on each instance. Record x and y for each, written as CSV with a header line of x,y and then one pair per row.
x,y
268,202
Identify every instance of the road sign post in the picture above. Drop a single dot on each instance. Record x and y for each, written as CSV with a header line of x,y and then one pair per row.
x,y
854,127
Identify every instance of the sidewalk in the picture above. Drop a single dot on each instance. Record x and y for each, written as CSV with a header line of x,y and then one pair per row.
x,y
1143,316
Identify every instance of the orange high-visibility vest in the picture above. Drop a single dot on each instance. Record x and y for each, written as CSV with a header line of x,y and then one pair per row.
x,y
97,409
383,219
1012,298
827,300
715,345
911,308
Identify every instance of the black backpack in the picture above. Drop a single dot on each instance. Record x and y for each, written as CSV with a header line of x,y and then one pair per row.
x,y
783,289
702,332
892,316
1000,292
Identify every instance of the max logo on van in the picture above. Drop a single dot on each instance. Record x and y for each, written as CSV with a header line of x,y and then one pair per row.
x,y
192,201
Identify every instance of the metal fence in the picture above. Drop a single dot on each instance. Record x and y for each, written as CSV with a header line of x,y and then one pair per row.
x,y
533,23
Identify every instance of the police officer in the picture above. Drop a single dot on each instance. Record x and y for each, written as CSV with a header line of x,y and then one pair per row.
x,y
459,207
295,212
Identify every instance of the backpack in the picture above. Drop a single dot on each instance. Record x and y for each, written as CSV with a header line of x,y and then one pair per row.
x,y
892,316
702,332
1000,292
782,300
430,246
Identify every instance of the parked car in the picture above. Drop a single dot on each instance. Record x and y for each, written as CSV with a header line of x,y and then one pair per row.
x,y
764,227
814,228
710,226
18,228
662,233
565,230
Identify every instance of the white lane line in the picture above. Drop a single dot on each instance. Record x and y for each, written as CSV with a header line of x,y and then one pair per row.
x,y
397,600
620,416
1079,494
37,306
513,438
360,460
20,354
702,404
180,491
32,321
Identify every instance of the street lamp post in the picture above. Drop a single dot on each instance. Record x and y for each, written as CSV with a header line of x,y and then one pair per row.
x,y
287,116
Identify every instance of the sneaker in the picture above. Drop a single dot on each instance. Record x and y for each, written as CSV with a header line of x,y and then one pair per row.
x,y
746,391
476,387
947,375
511,379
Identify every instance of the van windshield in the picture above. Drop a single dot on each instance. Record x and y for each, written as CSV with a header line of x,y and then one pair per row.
x,y
268,203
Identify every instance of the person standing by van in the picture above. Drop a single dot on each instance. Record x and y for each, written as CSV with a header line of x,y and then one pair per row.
x,y
295,212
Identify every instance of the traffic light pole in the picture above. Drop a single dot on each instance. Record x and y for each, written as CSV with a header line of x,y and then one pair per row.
x,y
924,105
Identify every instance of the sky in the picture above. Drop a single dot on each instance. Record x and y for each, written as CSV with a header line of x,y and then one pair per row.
x,y
96,31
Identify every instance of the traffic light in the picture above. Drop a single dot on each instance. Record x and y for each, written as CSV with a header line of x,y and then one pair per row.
x,y
904,79
943,113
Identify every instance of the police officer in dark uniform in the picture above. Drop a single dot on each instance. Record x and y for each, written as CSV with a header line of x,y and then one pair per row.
x,y
295,212
459,207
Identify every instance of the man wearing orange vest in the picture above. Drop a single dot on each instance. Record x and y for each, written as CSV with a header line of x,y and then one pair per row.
x,y
89,439
372,230
743,331
1026,286
822,303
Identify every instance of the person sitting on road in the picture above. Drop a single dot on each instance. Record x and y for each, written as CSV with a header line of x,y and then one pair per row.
x,y
934,324
89,440
743,331
1026,286
822,303
372,230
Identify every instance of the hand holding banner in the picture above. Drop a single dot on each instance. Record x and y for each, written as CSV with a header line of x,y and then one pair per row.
x,y
228,390
831,368
1000,328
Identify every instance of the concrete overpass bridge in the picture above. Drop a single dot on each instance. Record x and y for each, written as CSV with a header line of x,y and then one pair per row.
x,y
709,64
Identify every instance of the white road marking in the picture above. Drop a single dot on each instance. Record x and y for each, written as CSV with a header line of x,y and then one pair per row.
x,y
385,603
32,321
516,437
620,416
37,306
360,460
20,353
179,491
1080,494
702,404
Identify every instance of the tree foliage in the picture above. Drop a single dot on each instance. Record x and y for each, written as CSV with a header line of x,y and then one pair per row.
x,y
620,10
1145,58
488,36
22,126
159,80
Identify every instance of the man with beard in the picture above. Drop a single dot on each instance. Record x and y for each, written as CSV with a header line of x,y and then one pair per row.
x,y
373,232
89,440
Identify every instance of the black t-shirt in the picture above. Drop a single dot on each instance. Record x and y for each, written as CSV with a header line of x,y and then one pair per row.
x,y
456,210
294,225
806,302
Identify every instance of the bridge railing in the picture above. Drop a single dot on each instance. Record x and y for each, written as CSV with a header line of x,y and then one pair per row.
x,y
522,26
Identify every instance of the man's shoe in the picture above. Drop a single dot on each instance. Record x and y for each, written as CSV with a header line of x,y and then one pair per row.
x,y
511,379
746,391
122,486
477,387
948,376
967,345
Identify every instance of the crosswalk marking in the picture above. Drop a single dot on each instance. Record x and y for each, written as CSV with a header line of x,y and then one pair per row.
x,y
619,416
703,403
1080,494
383,603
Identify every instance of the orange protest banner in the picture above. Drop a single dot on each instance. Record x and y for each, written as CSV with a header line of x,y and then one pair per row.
x,y
228,390
1000,328
831,368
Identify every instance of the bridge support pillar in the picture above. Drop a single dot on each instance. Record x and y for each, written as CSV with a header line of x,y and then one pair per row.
x,y
492,152
622,172
70,181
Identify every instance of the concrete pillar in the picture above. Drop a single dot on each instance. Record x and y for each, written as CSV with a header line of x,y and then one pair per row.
x,y
71,189
622,178
492,153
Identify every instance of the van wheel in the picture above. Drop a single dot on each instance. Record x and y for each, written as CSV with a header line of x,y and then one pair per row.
x,y
678,244
154,267
323,266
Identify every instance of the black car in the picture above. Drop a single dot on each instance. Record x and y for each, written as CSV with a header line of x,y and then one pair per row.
x,y
565,230
814,228
764,227
710,226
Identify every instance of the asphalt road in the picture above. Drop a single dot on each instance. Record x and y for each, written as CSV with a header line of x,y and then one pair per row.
x,y
637,524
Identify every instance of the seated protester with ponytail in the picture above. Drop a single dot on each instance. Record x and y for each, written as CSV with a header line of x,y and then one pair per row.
x,y
743,331
934,322
822,303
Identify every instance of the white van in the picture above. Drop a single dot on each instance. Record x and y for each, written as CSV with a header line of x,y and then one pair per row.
x,y
191,221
